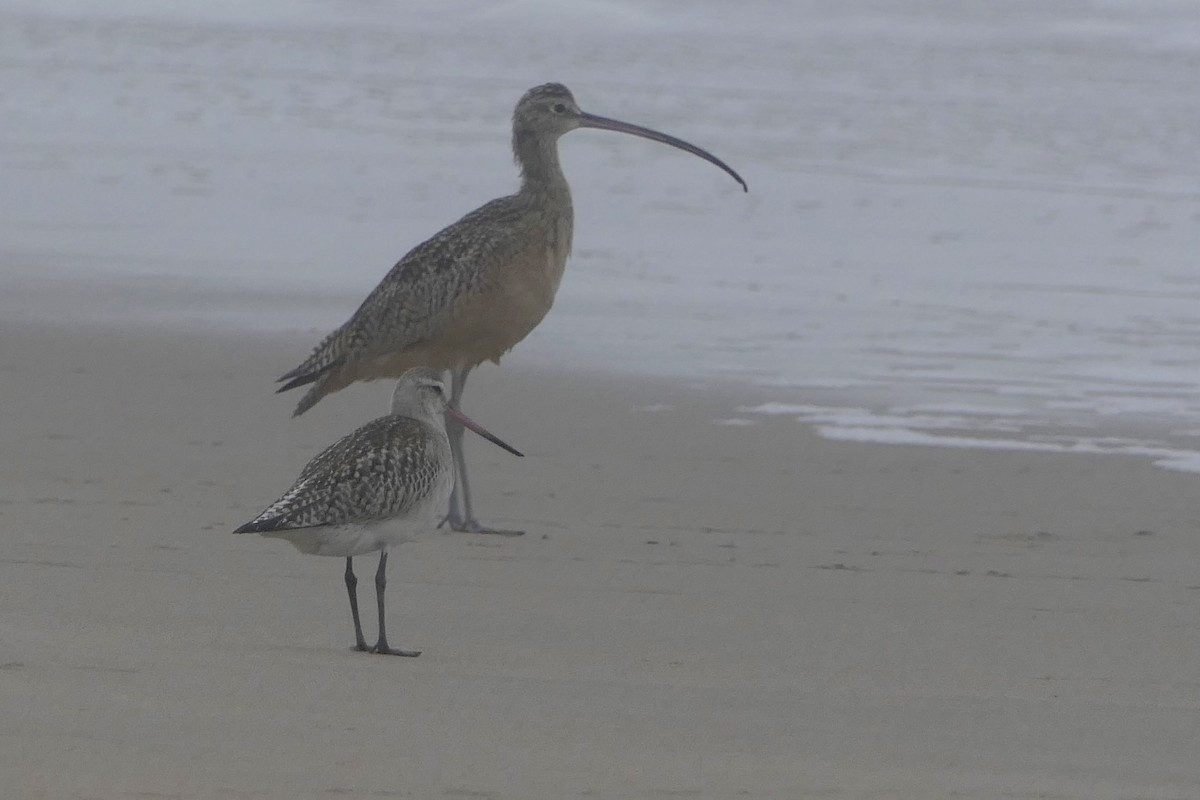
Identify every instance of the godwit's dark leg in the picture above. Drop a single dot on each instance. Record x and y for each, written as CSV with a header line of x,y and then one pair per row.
x,y
352,589
380,584
459,515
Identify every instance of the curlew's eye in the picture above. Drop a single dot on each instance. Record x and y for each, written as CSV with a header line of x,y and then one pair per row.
x,y
560,108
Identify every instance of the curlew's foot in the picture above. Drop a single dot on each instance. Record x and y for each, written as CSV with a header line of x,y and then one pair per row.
x,y
383,650
468,525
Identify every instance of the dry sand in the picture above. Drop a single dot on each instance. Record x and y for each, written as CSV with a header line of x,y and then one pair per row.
x,y
697,610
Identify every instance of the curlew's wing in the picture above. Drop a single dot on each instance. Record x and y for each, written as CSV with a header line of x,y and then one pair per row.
x,y
419,292
382,470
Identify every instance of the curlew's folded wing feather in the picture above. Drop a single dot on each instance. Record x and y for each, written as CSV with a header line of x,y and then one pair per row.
x,y
417,294
382,470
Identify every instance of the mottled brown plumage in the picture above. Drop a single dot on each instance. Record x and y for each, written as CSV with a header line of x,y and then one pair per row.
x,y
481,285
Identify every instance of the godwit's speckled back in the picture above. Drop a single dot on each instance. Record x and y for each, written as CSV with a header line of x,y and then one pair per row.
x,y
394,470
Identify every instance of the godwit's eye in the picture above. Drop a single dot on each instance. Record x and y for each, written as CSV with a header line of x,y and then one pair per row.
x,y
560,108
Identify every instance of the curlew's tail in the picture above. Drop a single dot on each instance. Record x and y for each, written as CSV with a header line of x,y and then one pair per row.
x,y
320,388
332,379
316,369
295,381
311,397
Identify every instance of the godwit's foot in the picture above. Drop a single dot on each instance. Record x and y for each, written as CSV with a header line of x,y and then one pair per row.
x,y
468,525
383,650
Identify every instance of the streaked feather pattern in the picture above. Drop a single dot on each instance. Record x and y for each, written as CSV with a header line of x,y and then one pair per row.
x,y
417,297
386,469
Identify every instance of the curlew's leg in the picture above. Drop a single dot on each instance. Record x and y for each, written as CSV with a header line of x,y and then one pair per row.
x,y
459,515
352,589
456,515
380,584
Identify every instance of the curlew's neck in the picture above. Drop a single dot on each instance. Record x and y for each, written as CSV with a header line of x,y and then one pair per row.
x,y
541,173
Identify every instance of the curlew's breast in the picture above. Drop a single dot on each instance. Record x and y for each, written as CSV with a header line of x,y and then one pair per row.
x,y
512,300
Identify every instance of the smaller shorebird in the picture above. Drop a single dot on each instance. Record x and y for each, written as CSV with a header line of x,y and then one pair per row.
x,y
374,489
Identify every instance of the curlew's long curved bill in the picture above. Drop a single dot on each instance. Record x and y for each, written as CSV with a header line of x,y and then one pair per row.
x,y
604,123
467,422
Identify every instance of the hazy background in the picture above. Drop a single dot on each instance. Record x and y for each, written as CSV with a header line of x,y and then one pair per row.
x,y
969,223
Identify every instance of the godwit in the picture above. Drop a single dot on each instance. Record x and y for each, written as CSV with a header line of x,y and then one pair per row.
x,y
479,286
374,489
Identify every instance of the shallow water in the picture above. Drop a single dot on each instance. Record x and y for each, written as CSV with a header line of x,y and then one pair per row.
x,y
969,224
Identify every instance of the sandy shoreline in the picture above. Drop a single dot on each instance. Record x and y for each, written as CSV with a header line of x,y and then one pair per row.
x,y
697,610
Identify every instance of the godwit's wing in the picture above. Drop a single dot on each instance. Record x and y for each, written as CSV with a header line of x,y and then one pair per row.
x,y
384,470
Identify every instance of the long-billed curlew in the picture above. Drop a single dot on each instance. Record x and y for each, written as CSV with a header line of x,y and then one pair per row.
x,y
374,489
479,286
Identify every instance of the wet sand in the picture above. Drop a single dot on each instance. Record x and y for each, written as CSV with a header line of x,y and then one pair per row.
x,y
697,610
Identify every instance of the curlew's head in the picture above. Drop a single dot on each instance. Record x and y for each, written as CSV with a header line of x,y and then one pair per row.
x,y
548,111
421,394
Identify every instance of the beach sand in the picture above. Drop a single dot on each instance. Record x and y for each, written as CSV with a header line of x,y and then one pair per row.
x,y
697,610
